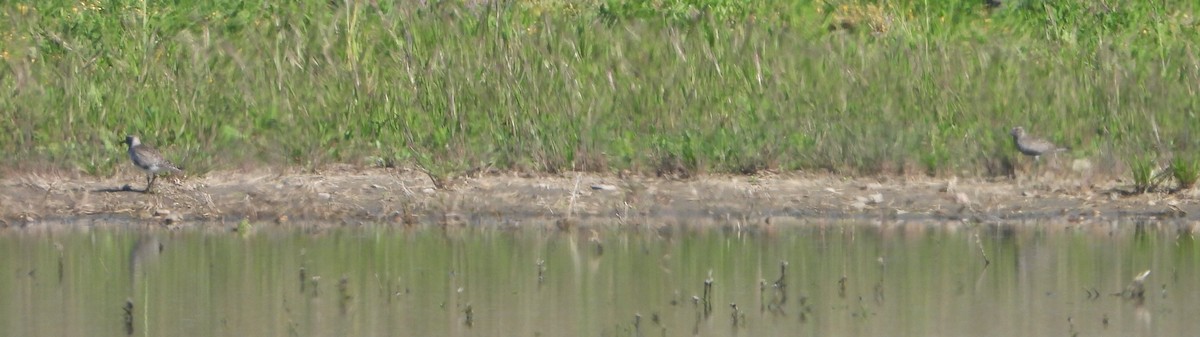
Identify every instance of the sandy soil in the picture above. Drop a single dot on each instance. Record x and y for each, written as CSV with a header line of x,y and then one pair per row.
x,y
354,196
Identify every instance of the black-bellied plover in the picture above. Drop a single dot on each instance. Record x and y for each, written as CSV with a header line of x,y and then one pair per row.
x,y
1032,146
148,159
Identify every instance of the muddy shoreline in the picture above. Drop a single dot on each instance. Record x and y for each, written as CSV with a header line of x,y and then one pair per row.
x,y
354,196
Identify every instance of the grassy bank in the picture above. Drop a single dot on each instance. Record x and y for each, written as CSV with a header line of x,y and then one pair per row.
x,y
673,87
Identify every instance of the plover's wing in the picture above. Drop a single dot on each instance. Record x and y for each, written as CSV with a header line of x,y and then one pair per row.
x,y
151,156
171,166
1042,145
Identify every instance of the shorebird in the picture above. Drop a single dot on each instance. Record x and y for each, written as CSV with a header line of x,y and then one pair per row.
x,y
148,159
1032,146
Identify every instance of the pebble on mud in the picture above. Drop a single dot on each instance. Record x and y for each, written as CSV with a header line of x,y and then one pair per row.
x,y
861,202
859,205
1081,165
962,199
162,212
876,198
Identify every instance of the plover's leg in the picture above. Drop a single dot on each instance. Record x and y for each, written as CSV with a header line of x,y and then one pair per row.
x,y
150,181
1037,166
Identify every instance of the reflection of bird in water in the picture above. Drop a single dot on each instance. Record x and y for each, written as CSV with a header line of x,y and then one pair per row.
x,y
145,252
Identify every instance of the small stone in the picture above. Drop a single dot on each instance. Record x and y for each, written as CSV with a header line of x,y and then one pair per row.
x,y
962,199
428,190
162,212
950,185
859,205
1081,165
324,196
876,198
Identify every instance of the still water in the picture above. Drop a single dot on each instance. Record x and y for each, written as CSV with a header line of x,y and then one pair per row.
x,y
820,280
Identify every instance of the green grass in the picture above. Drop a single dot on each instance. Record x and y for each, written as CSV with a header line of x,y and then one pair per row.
x,y
1186,171
674,87
1145,178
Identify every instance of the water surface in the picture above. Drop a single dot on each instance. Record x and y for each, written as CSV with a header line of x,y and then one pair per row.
x,y
821,280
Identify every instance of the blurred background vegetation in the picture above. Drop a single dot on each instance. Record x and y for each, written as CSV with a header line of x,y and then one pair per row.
x,y
669,87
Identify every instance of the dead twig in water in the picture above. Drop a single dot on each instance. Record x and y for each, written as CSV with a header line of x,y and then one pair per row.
x,y
979,242
842,287
1136,290
781,283
469,320
344,295
779,297
128,308
637,324
738,316
541,272
708,283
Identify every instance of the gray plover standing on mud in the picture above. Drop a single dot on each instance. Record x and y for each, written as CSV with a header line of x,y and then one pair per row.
x,y
1032,146
148,159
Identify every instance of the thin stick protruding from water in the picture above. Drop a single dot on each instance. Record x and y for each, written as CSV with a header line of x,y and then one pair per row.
x,y
469,316
737,314
128,308
637,324
842,287
541,272
978,242
708,283
781,283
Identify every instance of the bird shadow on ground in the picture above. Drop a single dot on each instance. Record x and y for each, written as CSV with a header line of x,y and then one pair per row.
x,y
125,188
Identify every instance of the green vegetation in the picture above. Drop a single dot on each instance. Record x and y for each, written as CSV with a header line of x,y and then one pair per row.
x,y
677,87
1145,177
1186,171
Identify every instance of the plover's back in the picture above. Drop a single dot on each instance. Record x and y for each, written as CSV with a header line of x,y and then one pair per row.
x,y
1032,146
147,158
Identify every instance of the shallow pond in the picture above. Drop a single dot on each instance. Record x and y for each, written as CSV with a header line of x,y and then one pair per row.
x,y
820,280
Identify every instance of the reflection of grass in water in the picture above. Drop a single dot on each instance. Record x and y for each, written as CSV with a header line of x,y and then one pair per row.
x,y
431,282
676,87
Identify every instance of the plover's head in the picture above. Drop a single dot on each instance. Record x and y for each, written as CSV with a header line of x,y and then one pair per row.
x,y
1016,132
132,141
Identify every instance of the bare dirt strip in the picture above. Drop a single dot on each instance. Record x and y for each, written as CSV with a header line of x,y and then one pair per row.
x,y
343,196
